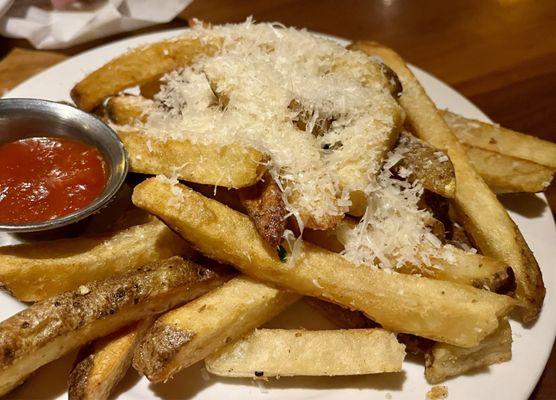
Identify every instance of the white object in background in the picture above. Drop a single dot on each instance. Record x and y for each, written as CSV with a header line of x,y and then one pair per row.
x,y
81,21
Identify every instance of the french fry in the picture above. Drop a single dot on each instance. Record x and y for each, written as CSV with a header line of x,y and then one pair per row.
x,y
102,364
279,352
480,211
264,204
443,311
190,333
35,271
342,317
126,109
461,267
428,165
443,361
348,319
469,269
136,67
501,140
49,329
505,174
229,166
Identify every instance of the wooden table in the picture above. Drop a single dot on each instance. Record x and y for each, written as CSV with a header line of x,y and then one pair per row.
x,y
500,54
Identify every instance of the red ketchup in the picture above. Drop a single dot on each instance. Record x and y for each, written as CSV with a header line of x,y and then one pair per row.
x,y
42,178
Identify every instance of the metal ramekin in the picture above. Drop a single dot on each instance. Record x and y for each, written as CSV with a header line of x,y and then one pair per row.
x,y
24,118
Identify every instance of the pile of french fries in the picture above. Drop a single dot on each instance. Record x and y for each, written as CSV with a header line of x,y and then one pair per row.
x,y
199,281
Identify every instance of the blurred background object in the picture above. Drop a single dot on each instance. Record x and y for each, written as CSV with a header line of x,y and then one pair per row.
x,y
58,24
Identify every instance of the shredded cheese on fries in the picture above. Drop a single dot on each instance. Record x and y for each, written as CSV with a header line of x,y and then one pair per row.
x,y
257,88
321,113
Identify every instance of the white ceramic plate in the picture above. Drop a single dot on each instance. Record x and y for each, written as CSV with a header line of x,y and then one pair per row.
x,y
511,380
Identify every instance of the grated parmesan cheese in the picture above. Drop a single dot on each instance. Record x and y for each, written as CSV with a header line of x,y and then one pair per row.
x,y
265,78
321,113
393,230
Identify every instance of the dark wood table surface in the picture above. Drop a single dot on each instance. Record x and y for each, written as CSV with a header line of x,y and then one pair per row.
x,y
500,54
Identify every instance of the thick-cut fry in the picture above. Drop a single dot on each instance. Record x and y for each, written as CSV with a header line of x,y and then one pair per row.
x,y
348,319
190,333
101,364
443,361
280,352
126,109
230,166
505,174
462,267
470,269
501,140
265,206
428,165
480,211
136,67
35,271
444,311
48,329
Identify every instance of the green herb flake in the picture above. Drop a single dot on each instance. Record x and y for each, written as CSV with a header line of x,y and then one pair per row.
x,y
282,253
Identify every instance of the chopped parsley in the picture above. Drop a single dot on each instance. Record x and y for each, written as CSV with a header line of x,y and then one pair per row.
x,y
282,253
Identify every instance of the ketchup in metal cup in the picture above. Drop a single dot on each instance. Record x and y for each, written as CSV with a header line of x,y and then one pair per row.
x,y
43,178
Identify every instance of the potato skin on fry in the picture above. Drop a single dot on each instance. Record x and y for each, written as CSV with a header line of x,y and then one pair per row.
x,y
48,329
101,365
443,361
32,272
426,165
136,67
264,204
188,334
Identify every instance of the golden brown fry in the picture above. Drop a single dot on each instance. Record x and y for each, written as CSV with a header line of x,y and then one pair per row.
x,y
136,67
126,109
470,269
428,165
190,333
501,140
443,361
49,329
264,204
281,352
35,271
102,364
505,174
444,311
480,212
349,319
461,267
230,166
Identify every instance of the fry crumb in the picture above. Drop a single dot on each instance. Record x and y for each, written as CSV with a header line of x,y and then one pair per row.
x,y
437,393
83,290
